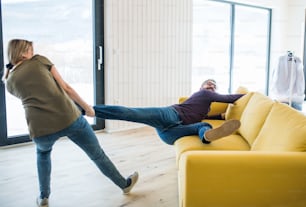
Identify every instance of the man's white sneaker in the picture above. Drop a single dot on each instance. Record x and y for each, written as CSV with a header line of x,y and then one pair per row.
x,y
133,178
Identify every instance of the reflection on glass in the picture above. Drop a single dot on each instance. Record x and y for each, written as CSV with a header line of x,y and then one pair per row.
x,y
250,59
211,40
61,31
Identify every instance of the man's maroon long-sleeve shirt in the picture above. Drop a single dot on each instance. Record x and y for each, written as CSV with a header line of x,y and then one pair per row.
x,y
197,106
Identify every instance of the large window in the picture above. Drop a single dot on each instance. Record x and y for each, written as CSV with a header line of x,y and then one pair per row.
x,y
304,57
64,32
211,38
231,43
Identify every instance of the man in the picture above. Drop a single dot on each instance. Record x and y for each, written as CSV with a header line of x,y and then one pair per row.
x,y
178,120
210,84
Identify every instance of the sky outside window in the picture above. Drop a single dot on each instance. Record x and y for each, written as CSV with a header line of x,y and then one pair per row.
x,y
61,31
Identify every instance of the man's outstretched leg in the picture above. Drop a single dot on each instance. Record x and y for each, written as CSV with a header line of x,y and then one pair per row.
x,y
226,129
157,117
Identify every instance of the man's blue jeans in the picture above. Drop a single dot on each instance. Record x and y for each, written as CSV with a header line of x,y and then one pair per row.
x,y
165,120
81,133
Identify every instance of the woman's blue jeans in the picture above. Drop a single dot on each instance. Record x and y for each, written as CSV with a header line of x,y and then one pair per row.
x,y
165,120
81,133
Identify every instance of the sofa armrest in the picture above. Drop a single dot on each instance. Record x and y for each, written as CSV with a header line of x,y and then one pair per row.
x,y
239,178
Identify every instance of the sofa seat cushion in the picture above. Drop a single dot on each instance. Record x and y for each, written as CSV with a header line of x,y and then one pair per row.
x,y
232,142
283,130
193,143
189,143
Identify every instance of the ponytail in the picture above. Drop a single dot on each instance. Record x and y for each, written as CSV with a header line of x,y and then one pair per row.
x,y
9,67
15,51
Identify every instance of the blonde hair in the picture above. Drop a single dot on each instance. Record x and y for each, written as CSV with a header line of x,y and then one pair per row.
x,y
15,51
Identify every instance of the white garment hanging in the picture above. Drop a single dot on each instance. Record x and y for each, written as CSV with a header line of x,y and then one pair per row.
x,y
288,84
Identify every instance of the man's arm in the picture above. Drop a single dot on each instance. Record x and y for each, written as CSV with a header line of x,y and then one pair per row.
x,y
228,98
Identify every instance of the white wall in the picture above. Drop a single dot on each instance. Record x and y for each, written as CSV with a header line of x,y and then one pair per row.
x,y
296,26
147,53
148,48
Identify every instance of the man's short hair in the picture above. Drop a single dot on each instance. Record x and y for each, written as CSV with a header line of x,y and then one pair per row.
x,y
209,80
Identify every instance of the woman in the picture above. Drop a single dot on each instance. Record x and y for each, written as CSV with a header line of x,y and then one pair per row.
x,y
51,113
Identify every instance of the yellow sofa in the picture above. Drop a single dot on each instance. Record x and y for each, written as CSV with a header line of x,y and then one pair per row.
x,y
262,165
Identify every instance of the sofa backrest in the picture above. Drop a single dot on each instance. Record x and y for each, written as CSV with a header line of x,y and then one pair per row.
x,y
254,116
235,110
283,130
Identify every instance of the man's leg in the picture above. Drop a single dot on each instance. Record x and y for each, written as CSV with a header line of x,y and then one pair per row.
x,y
172,134
157,117
204,130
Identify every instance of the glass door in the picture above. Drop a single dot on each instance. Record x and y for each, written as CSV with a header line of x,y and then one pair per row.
x,y
251,49
211,43
64,32
231,44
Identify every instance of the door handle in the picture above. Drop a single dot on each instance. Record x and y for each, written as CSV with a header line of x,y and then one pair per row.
x,y
100,59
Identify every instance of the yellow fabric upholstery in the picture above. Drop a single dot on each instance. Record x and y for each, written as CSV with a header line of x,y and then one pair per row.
x,y
217,108
284,130
238,178
232,142
254,116
182,99
242,90
191,143
261,165
234,111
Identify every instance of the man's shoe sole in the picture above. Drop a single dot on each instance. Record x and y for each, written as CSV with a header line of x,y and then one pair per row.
x,y
226,129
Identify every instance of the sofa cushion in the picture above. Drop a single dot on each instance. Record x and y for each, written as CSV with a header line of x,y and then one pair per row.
x,y
284,130
216,108
189,143
254,116
242,90
234,111
182,99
